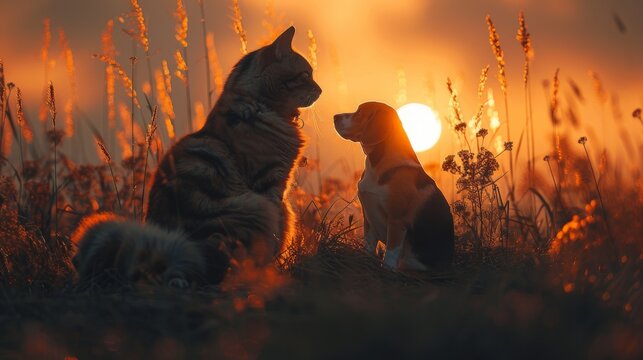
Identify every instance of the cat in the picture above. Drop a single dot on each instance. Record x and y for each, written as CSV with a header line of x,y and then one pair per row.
x,y
113,251
225,185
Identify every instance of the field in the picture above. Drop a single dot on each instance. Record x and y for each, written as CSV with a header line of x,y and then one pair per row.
x,y
549,250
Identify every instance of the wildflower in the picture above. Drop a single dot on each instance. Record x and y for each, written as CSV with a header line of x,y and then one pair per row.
x,y
637,114
450,165
30,169
459,207
509,145
55,137
546,158
465,155
582,140
482,133
460,127
487,164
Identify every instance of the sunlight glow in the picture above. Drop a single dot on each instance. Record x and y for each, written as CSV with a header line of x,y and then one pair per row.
x,y
421,124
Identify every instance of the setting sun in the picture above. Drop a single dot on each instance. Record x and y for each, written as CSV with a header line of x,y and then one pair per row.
x,y
421,124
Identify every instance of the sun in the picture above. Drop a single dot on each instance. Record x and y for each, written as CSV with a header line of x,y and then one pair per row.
x,y
421,124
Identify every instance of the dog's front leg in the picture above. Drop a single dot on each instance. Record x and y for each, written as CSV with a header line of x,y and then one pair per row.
x,y
370,238
395,235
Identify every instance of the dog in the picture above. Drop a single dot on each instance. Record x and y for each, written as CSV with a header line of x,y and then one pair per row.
x,y
113,251
402,206
227,183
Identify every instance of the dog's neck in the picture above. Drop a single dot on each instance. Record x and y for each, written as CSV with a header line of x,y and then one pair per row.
x,y
384,157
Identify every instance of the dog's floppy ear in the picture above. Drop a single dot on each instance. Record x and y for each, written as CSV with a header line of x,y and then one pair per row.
x,y
376,129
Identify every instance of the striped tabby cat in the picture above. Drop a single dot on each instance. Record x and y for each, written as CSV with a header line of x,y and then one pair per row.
x,y
225,185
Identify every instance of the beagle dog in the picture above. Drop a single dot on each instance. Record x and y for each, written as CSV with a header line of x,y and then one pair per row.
x,y
403,208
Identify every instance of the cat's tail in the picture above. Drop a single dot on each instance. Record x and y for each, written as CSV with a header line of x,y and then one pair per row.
x,y
113,251
244,226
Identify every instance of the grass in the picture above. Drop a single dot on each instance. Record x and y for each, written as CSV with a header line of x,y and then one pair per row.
x,y
554,275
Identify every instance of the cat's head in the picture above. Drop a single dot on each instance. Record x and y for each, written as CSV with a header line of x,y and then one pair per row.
x,y
276,75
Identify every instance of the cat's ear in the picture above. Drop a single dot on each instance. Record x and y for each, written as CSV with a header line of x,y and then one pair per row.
x,y
283,44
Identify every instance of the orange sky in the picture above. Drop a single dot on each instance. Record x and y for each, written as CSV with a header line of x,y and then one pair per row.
x,y
362,47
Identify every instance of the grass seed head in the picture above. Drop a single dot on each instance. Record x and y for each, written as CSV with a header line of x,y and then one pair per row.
x,y
182,26
51,102
494,40
141,28
237,23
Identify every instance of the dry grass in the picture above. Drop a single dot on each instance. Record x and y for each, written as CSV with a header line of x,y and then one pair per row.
x,y
542,280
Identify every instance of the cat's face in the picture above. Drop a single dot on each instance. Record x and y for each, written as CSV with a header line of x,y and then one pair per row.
x,y
277,75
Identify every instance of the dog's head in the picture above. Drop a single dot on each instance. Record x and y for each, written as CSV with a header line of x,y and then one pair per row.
x,y
371,124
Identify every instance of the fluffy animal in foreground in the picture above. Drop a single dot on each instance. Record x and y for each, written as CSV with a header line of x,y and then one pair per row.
x,y
112,250
226,184
402,206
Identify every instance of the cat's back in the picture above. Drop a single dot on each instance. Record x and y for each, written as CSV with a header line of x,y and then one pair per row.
x,y
198,168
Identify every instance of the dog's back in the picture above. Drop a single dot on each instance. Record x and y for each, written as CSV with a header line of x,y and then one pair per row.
x,y
431,235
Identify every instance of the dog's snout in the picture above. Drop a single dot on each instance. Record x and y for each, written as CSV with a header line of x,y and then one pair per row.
x,y
340,117
345,126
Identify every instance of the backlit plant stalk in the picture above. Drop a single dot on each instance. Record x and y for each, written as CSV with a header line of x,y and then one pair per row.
x,y
108,160
133,62
237,23
110,80
183,72
582,141
44,56
494,40
151,129
555,120
51,103
21,119
207,53
2,105
143,38
524,38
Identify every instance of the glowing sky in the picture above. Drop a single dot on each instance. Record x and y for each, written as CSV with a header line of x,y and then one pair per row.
x,y
363,46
